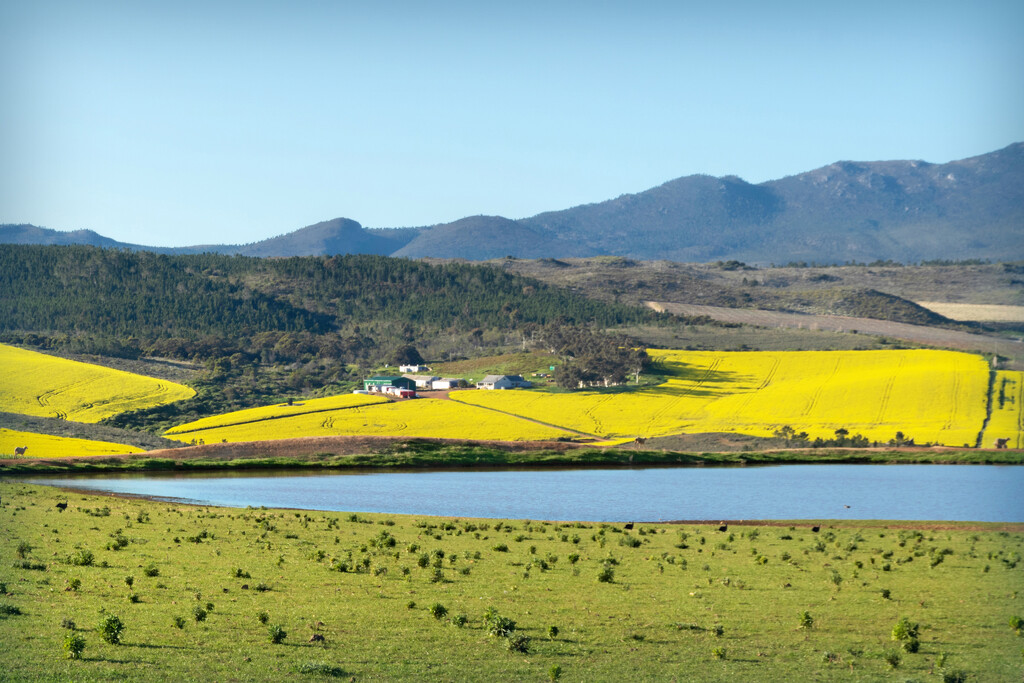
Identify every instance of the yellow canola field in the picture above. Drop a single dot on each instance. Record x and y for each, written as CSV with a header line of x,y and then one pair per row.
x,y
936,396
279,410
1007,420
424,417
46,386
46,446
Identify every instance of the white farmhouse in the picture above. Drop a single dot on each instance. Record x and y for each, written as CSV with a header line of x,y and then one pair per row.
x,y
503,382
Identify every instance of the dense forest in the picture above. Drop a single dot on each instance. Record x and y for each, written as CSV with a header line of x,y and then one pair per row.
x,y
265,327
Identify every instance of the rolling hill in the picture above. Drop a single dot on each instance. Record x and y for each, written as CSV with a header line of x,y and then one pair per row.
x,y
846,211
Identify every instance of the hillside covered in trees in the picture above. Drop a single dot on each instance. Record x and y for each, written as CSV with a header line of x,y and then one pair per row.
x,y
263,327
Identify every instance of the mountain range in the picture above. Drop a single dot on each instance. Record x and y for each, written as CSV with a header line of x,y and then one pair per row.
x,y
847,211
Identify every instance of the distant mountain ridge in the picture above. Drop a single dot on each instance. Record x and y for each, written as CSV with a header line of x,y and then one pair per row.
x,y
846,211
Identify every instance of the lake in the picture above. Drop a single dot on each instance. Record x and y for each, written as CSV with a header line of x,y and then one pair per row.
x,y
984,493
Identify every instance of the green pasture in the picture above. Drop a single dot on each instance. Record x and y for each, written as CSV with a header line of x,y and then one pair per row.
x,y
389,597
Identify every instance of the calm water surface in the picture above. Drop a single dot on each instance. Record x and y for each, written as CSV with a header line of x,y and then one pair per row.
x,y
898,492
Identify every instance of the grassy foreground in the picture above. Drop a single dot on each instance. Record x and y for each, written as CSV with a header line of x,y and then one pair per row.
x,y
383,597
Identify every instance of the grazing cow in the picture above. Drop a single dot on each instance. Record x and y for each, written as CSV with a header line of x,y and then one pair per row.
x,y
20,450
815,529
1001,443
629,525
62,506
724,527
639,441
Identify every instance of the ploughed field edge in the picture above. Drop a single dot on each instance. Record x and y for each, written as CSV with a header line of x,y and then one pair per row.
x,y
344,452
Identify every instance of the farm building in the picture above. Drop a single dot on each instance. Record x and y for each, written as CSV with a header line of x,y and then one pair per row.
x,y
412,368
423,381
449,383
503,382
380,384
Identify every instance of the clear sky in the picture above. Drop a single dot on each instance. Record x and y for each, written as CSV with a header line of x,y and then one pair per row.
x,y
185,122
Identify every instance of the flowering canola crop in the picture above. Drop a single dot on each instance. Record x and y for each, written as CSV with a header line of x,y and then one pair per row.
x,y
427,418
279,410
46,386
936,396
46,446
1007,419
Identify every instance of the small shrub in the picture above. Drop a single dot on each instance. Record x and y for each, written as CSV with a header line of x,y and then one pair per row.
x,y
9,610
719,653
886,593
806,620
904,629
459,620
111,628
552,631
892,658
501,548
261,587
23,549
129,580
954,676
198,613
133,598
83,558
438,611
151,570
911,645
67,623
74,584
262,617
718,630
179,622
518,642
1017,624
74,644
606,575
277,634
555,672
321,669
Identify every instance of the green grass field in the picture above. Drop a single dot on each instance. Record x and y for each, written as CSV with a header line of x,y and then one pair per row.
x,y
684,602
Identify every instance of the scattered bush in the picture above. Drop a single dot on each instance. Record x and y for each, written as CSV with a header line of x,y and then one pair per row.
x,y
74,644
555,672
110,629
438,611
83,558
277,634
179,622
262,617
1017,624
892,658
459,620
954,676
719,653
518,642
67,623
321,669
198,613
606,575
151,570
904,629
9,610
552,631
806,620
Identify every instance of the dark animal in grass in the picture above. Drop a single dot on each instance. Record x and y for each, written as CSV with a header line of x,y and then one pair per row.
x,y
639,441
629,525
1001,443
815,529
724,527
62,506
317,638
20,450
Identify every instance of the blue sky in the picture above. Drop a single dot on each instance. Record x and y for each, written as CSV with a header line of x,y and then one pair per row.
x,y
175,123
